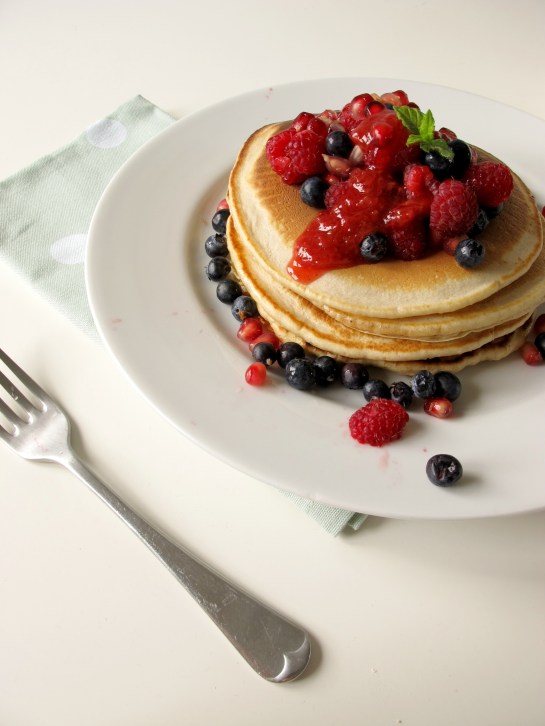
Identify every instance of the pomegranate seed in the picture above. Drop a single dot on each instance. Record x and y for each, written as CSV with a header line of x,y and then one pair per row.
x,y
224,204
256,374
530,354
250,329
359,104
438,407
301,121
539,325
446,134
543,211
266,337
403,98
374,107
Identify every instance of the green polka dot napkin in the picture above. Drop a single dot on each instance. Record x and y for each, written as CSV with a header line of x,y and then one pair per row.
x,y
45,213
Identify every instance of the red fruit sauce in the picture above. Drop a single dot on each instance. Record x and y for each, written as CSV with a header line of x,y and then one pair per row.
x,y
360,207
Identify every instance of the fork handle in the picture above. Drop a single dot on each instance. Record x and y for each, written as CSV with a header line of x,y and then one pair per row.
x,y
276,648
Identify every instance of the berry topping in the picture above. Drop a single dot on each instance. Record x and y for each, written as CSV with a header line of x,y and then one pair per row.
x,y
313,191
375,388
378,422
256,374
243,307
218,268
530,354
448,385
491,181
266,337
354,376
453,210
444,470
227,291
327,370
216,246
423,384
401,393
469,253
337,143
264,352
408,242
219,220
374,247
438,407
301,374
295,155
250,329
289,351
539,343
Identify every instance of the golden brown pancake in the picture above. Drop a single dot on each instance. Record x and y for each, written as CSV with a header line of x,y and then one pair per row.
x,y
396,314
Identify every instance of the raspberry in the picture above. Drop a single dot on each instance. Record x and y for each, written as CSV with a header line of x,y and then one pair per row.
x,y
418,180
308,121
408,242
379,422
492,182
453,211
296,155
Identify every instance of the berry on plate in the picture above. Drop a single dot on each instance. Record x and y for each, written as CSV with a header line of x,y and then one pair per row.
x,y
378,422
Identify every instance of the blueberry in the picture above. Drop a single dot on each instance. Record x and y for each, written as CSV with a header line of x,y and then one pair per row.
x,y
447,385
480,225
401,393
438,163
288,351
313,190
337,143
375,388
243,307
423,384
354,376
374,247
462,158
301,374
218,269
227,291
444,470
264,353
216,246
327,370
539,343
469,253
219,220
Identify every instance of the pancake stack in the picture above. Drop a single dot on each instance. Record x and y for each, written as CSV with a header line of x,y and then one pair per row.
x,y
398,315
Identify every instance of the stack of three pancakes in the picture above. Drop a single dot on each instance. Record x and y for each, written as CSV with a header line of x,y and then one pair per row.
x,y
403,316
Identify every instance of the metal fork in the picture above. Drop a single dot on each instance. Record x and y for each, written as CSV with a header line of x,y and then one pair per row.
x,y
38,429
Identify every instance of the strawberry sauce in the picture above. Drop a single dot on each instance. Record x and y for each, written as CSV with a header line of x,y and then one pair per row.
x,y
359,205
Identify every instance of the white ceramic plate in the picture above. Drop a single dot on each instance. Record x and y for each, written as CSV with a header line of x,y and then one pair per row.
x,y
159,317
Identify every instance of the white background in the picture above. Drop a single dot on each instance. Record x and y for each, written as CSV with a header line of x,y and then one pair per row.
x,y
415,623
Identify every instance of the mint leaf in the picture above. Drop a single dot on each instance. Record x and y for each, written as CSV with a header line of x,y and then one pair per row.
x,y
427,126
410,117
422,129
439,145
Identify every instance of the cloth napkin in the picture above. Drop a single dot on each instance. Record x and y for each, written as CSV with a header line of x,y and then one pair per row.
x,y
45,213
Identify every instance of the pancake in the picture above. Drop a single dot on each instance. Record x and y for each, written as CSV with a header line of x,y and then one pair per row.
x,y
302,320
403,316
269,216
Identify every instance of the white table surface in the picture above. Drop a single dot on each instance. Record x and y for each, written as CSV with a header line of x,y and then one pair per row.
x,y
414,623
